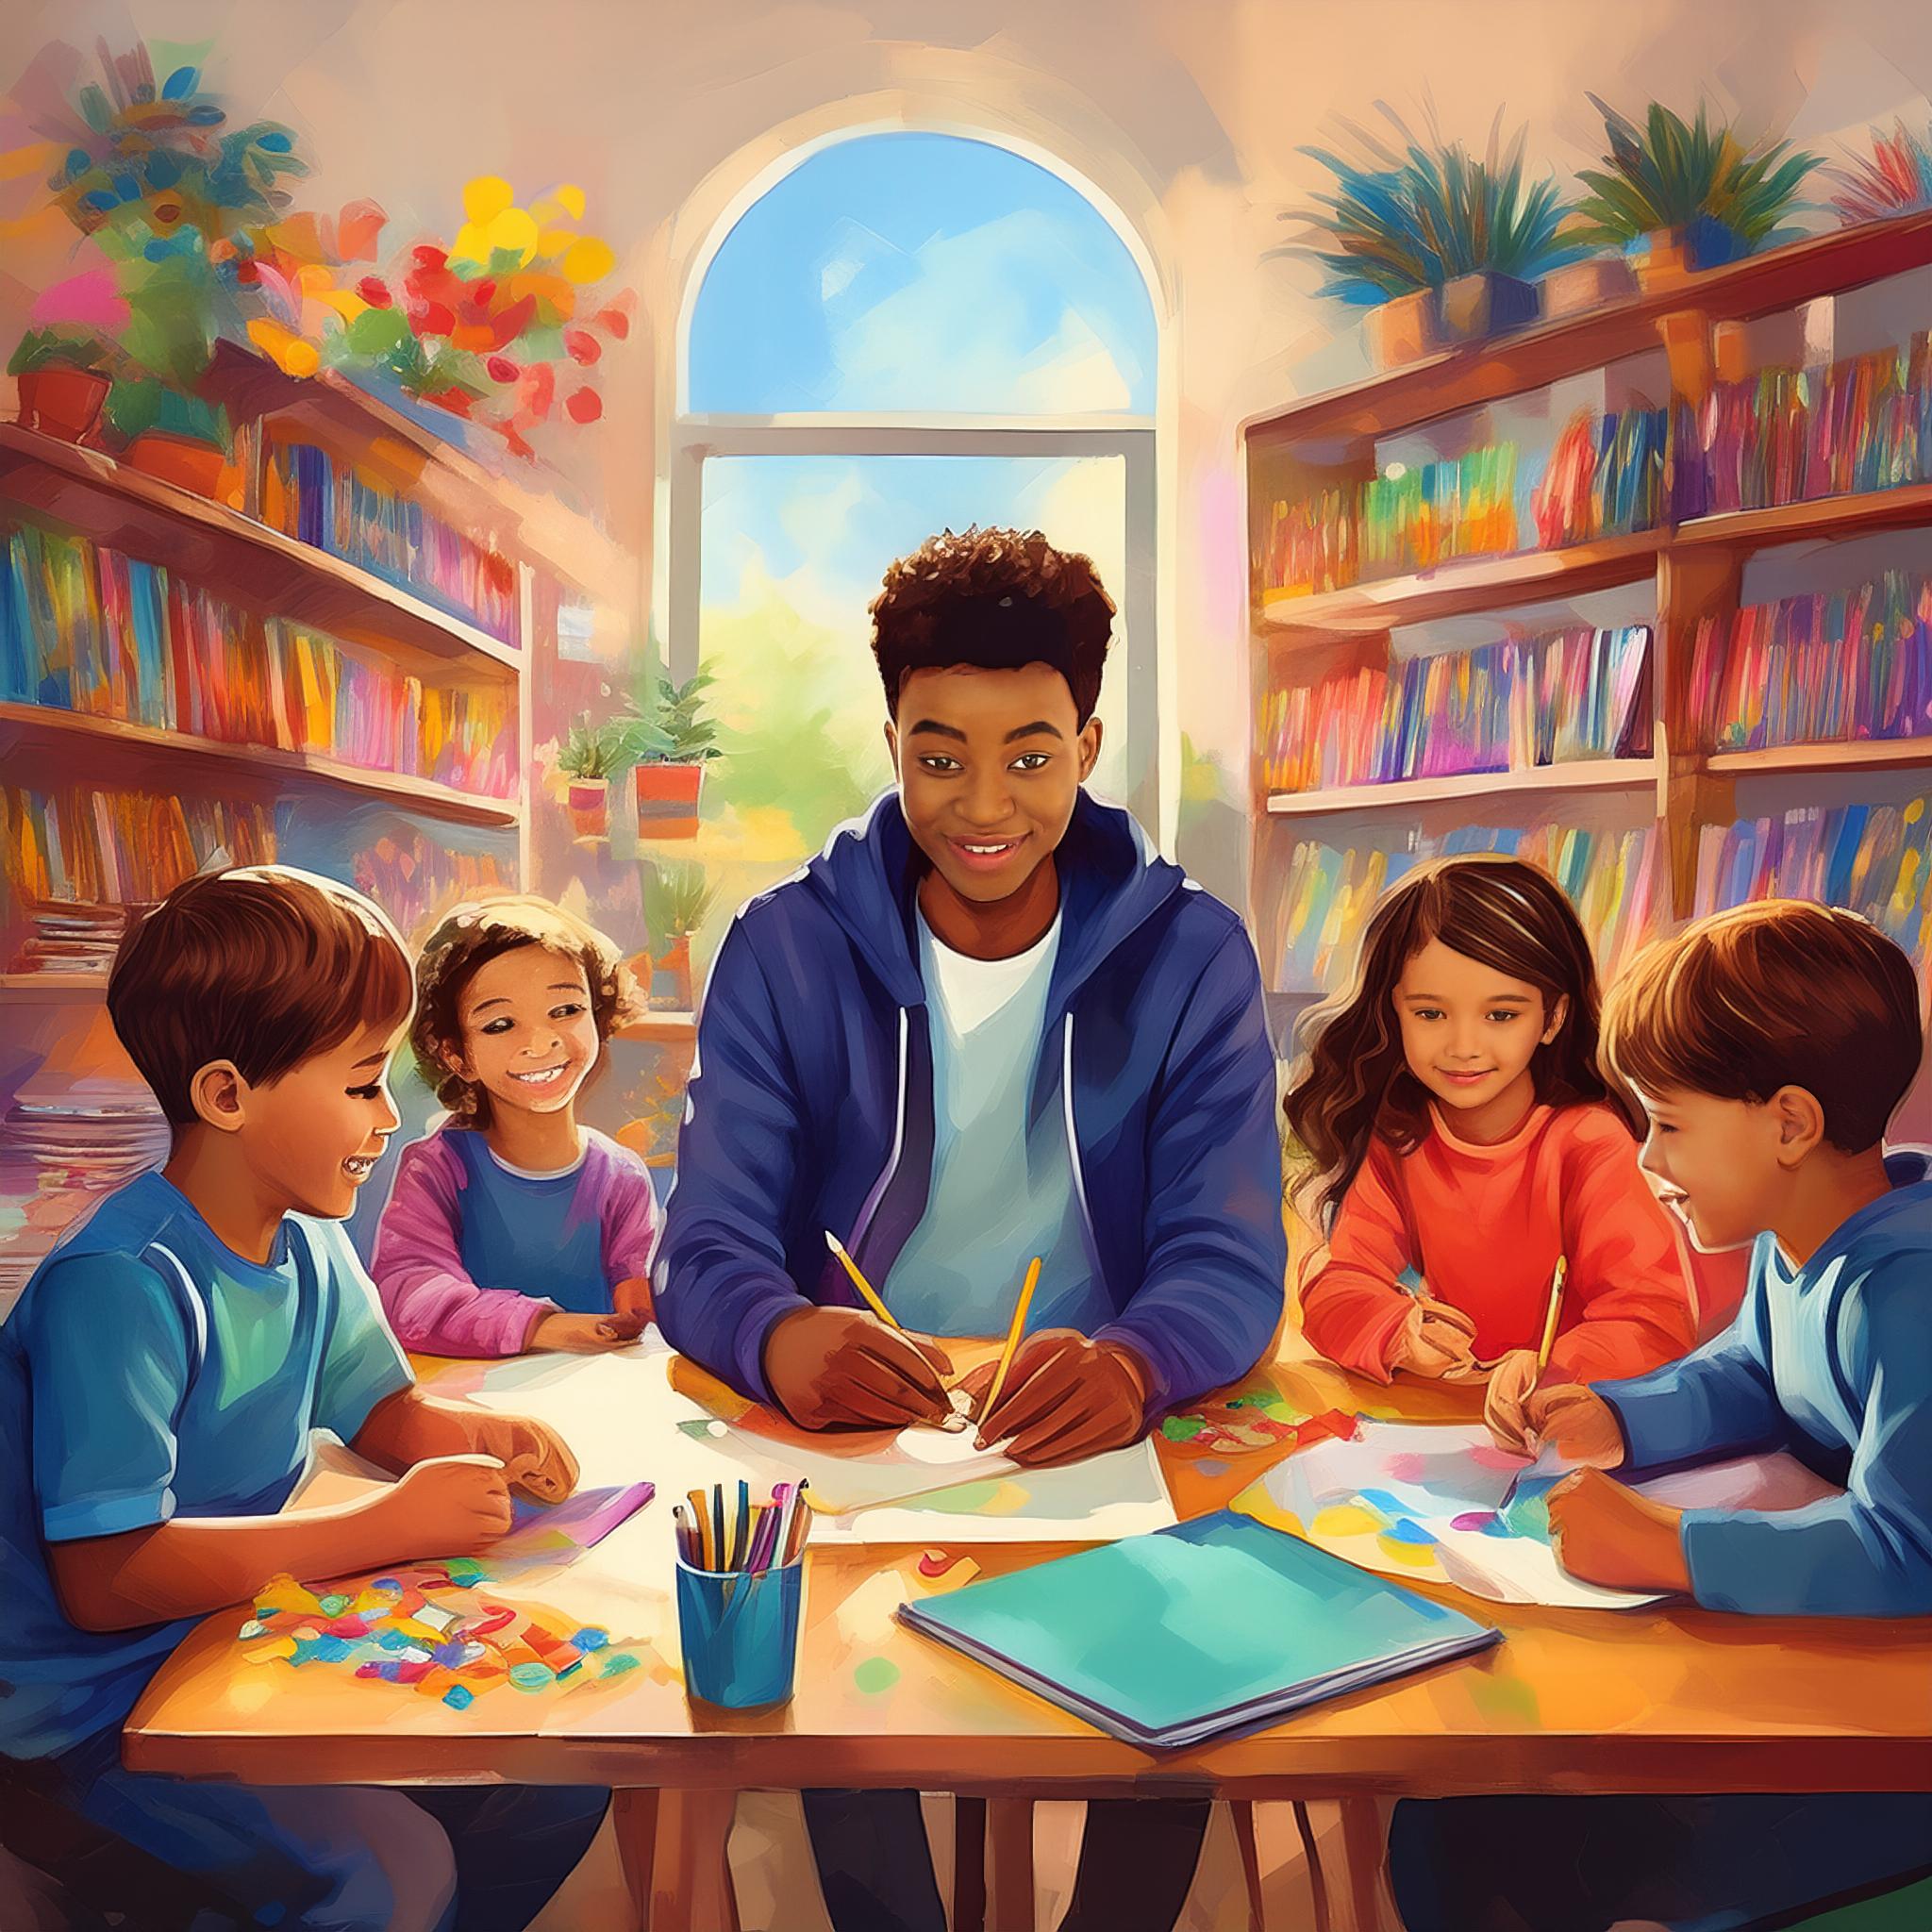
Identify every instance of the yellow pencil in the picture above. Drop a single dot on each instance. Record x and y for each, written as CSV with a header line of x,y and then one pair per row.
x,y
1543,1353
1007,1354
859,1282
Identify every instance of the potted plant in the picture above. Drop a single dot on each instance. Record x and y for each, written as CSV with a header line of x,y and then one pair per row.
x,y
170,433
590,756
1683,198
64,380
673,750
676,898
1895,179
1444,246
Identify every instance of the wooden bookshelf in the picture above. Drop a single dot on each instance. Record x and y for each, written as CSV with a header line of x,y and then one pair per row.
x,y
1583,775
1685,573
1533,359
268,763
235,556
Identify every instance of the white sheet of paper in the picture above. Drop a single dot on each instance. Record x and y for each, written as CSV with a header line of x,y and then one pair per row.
x,y
1098,1501
1436,1473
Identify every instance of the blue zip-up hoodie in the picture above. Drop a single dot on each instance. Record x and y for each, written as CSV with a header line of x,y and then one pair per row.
x,y
1833,1362
810,1104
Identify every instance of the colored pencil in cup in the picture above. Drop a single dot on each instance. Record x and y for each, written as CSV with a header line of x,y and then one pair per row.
x,y
741,1529
866,1289
1556,1274
1014,1331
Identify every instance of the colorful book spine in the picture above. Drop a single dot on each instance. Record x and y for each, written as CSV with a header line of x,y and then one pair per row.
x,y
416,879
1505,706
121,848
307,494
1329,891
1847,664
87,629
1870,859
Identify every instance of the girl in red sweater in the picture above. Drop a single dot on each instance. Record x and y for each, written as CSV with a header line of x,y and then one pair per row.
x,y
1460,1137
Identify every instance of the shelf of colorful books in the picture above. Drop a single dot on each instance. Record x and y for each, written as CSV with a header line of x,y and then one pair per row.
x,y
1583,775
1467,377
1464,587
423,795
1856,754
118,505
54,984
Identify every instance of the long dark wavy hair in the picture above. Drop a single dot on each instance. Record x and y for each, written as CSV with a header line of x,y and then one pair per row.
x,y
1355,1082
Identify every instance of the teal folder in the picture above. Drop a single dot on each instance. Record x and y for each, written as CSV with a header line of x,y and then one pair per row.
x,y
1215,1626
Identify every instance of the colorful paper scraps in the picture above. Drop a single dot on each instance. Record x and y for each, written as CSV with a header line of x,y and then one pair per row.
x,y
1256,1419
564,1529
391,1632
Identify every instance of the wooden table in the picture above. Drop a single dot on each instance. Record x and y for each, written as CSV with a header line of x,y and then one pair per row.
x,y
1657,1699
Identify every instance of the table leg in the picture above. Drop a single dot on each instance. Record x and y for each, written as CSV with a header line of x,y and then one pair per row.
x,y
634,1817
1318,1884
1242,1811
1365,1850
969,1864
1009,1823
690,1874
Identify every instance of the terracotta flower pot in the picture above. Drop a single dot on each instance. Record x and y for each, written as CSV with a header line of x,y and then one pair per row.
x,y
668,800
589,808
1670,257
1581,286
1477,307
671,990
1405,328
182,460
60,401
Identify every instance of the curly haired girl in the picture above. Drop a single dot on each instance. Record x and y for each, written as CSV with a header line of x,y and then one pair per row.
x,y
511,1227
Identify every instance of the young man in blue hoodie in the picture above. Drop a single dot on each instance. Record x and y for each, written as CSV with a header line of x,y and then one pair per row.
x,y
988,1022
1769,1046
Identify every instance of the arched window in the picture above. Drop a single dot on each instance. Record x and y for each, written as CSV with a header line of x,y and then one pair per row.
x,y
904,332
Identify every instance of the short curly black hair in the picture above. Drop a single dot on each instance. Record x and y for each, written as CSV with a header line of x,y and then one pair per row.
x,y
995,599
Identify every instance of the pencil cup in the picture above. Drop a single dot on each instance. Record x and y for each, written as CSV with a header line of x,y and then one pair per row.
x,y
738,1631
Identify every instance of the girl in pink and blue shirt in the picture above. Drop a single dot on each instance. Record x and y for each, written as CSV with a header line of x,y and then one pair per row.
x,y
512,1226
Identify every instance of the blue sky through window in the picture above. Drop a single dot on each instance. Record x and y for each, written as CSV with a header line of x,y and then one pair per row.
x,y
927,273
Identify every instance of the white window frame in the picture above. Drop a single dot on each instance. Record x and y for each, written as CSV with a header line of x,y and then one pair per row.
x,y
696,439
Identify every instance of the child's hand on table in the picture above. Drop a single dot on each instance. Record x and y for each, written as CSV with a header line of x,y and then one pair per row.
x,y
1065,1398
1604,1532
833,1367
449,1506
586,1334
534,1456
632,1296
1435,1342
1572,1420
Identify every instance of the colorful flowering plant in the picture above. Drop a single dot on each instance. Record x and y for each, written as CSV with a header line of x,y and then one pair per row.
x,y
497,325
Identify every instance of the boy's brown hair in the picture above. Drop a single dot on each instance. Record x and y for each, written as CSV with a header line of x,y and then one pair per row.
x,y
1777,994
997,599
466,940
261,965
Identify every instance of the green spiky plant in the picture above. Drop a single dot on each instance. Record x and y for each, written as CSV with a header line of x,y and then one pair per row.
x,y
61,346
600,751
680,734
676,899
1669,174
1415,216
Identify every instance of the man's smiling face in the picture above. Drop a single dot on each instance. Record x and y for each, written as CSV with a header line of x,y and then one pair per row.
x,y
990,765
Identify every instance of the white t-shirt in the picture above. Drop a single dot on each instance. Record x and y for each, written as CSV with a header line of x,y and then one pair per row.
x,y
999,1194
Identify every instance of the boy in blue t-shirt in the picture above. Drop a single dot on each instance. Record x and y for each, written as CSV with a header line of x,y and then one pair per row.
x,y
1770,1047
158,1381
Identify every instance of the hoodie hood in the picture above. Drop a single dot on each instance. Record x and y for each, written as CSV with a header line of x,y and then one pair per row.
x,y
1112,882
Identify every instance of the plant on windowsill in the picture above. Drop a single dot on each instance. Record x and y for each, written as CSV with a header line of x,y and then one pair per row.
x,y
1680,198
1895,179
673,750
676,899
590,756
1446,248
